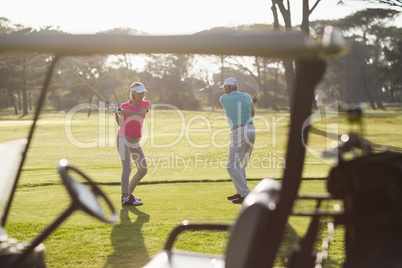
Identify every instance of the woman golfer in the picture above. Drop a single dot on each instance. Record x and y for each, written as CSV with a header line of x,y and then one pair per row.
x,y
130,117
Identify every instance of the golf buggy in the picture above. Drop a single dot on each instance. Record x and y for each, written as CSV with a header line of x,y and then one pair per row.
x,y
85,196
373,234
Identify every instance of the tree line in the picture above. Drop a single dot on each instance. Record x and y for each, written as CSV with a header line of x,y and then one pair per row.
x,y
370,72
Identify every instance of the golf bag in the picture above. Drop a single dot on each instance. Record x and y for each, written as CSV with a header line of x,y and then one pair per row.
x,y
371,187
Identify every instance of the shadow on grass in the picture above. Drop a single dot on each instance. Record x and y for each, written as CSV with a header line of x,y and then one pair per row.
x,y
128,241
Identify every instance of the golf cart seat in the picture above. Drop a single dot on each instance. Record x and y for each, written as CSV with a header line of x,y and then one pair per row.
x,y
247,240
11,154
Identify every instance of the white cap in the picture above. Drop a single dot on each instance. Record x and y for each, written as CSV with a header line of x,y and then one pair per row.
x,y
229,81
139,88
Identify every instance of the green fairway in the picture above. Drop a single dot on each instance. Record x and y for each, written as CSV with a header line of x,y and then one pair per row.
x,y
187,180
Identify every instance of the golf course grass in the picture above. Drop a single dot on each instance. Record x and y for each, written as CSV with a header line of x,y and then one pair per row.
x,y
187,180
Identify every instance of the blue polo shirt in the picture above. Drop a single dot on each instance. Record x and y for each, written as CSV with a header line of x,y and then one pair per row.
x,y
238,106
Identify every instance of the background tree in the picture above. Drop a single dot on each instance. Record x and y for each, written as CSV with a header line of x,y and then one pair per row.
x,y
288,65
392,3
265,72
285,11
171,80
73,90
368,73
366,34
390,70
21,76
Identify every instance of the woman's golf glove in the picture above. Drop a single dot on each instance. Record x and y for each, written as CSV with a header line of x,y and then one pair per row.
x,y
117,110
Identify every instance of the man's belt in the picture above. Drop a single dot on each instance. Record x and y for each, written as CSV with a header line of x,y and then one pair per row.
x,y
242,125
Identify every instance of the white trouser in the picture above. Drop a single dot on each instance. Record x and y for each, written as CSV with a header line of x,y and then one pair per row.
x,y
128,152
241,145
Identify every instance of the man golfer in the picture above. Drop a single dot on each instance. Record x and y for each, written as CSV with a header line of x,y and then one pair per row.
x,y
239,108
130,117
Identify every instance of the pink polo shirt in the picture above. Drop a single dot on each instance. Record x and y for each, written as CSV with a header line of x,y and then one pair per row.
x,y
133,125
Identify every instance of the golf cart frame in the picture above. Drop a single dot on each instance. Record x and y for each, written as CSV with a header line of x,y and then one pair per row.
x,y
311,64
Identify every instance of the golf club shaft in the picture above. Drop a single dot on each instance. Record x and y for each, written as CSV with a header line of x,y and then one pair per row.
x,y
100,96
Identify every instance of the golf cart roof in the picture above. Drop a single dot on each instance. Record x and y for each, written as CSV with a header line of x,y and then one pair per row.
x,y
288,44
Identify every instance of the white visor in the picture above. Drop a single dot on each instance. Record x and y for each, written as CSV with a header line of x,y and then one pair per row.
x,y
138,89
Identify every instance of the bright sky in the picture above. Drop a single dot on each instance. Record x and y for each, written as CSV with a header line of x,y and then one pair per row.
x,y
157,16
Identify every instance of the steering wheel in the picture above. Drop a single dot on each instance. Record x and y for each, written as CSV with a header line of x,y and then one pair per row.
x,y
86,198
89,199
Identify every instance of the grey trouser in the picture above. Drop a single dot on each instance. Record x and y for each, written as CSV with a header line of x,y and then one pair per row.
x,y
130,148
241,145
